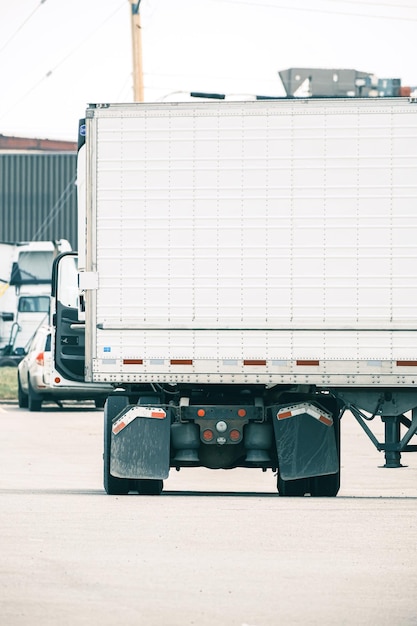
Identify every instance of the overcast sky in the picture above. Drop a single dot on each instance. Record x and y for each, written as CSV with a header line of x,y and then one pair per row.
x,y
57,56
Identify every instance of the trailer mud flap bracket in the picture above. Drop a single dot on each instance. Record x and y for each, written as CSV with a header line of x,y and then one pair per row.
x,y
140,443
305,440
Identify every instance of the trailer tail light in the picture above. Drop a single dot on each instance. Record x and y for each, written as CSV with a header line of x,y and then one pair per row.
x,y
242,412
208,435
235,434
201,412
40,360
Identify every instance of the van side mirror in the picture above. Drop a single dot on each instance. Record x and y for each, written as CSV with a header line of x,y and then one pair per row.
x,y
7,317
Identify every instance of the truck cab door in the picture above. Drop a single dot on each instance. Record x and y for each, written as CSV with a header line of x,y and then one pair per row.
x,y
68,329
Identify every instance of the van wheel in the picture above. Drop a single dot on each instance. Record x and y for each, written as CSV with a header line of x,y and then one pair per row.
x,y
22,397
113,486
34,400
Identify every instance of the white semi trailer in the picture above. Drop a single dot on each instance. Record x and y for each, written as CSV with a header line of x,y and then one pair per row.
x,y
247,272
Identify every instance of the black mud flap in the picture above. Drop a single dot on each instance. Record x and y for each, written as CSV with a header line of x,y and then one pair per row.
x,y
140,443
306,441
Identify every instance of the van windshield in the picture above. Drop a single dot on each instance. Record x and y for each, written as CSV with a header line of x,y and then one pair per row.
x,y
32,266
34,304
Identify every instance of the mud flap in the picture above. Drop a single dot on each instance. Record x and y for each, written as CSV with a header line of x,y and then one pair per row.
x,y
306,441
140,443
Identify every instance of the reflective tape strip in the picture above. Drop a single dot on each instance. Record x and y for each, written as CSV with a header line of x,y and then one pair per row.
x,y
122,422
134,412
287,366
254,362
324,418
236,362
406,363
307,362
305,409
181,361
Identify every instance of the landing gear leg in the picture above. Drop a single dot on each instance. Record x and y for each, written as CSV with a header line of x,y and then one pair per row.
x,y
392,426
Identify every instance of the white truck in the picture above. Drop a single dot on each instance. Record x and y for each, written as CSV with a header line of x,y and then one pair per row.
x,y
247,272
25,290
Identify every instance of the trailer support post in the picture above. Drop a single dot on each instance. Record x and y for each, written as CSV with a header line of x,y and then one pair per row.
x,y
392,426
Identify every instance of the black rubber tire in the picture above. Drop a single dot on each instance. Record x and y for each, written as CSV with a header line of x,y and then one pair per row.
x,y
328,486
325,486
34,399
22,396
149,487
293,488
113,486
5,362
318,486
100,402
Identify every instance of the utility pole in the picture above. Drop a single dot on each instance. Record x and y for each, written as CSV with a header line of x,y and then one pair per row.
x,y
138,90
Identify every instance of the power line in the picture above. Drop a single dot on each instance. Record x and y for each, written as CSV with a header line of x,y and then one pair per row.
x,y
57,208
380,4
65,58
25,21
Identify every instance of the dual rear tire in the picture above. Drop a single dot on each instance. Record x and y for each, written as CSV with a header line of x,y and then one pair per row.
x,y
319,486
326,486
121,486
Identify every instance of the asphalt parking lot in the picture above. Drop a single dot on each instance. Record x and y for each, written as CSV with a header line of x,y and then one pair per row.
x,y
216,548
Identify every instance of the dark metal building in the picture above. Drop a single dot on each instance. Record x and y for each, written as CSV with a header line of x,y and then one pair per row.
x,y
37,190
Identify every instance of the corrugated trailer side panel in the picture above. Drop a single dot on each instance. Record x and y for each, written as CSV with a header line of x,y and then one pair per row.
x,y
38,196
264,241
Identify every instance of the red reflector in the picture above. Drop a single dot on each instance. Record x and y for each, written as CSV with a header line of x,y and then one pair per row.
x,y
407,363
201,412
234,434
325,420
40,359
132,361
241,412
303,362
118,427
181,361
208,435
254,362
57,379
283,416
